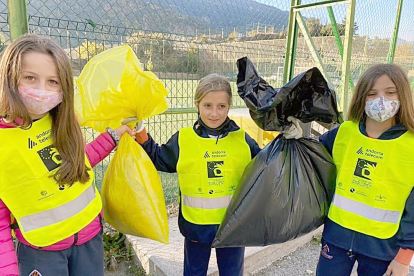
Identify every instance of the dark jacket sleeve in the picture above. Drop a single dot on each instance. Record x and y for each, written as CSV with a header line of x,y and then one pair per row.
x,y
328,139
406,231
254,147
165,156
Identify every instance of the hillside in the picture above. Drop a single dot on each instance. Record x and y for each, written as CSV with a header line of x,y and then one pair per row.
x,y
169,16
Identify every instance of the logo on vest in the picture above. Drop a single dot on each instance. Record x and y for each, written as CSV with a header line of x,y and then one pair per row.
x,y
371,153
365,168
44,194
31,143
35,273
380,198
359,191
215,169
44,136
218,154
50,157
206,155
374,154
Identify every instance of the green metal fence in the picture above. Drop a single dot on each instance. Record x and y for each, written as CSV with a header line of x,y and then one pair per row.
x,y
183,40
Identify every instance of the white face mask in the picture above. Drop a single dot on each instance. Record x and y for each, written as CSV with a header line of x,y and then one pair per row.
x,y
381,109
38,101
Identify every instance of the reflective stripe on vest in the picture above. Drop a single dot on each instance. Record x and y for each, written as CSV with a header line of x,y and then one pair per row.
x,y
60,213
372,182
45,211
207,203
365,210
208,173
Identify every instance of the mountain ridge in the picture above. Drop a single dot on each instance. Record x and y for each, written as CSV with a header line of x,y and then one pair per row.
x,y
189,17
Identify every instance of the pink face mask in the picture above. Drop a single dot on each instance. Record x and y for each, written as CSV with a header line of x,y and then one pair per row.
x,y
38,101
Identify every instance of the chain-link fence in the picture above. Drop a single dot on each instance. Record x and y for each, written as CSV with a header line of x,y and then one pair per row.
x,y
183,40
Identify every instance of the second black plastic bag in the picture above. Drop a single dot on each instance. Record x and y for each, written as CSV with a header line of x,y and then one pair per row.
x,y
307,97
286,190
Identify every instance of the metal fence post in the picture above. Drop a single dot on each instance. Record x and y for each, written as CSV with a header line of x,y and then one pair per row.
x,y
391,52
346,61
338,38
18,22
292,34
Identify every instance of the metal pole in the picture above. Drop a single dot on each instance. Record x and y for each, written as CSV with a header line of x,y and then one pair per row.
x,y
18,22
338,38
391,51
320,4
364,57
349,30
335,30
312,47
189,110
292,34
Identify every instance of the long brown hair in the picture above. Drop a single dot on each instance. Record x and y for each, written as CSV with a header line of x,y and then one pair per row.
x,y
66,132
405,115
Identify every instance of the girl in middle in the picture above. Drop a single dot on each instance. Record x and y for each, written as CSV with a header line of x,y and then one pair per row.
x,y
210,158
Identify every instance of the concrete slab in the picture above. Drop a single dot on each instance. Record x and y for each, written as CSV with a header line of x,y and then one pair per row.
x,y
167,259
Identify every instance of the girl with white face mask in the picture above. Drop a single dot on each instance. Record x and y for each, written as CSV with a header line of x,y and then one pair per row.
x,y
371,218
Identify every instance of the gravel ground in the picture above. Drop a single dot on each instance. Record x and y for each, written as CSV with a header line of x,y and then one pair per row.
x,y
302,262
126,268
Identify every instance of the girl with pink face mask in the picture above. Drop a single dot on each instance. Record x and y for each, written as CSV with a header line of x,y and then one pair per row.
x,y
47,195
371,218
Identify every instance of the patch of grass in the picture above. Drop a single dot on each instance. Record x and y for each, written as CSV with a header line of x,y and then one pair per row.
x,y
317,239
134,270
115,249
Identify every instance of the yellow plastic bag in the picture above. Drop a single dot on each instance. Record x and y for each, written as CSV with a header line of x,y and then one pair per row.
x,y
113,87
138,208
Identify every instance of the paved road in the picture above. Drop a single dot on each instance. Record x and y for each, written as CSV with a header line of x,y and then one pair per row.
x,y
302,262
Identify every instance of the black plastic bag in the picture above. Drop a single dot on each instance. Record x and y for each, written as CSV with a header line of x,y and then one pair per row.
x,y
307,97
286,190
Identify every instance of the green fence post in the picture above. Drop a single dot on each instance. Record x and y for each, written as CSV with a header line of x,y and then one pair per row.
x,y
292,34
391,51
338,38
18,22
312,47
349,31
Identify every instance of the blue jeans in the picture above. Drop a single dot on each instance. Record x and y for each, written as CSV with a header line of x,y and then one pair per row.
x,y
85,259
339,262
197,255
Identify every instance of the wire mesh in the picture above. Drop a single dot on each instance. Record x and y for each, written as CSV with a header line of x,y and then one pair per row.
x,y
4,27
183,40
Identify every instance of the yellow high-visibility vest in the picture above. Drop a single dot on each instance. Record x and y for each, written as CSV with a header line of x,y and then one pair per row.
x,y
374,179
45,211
209,172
